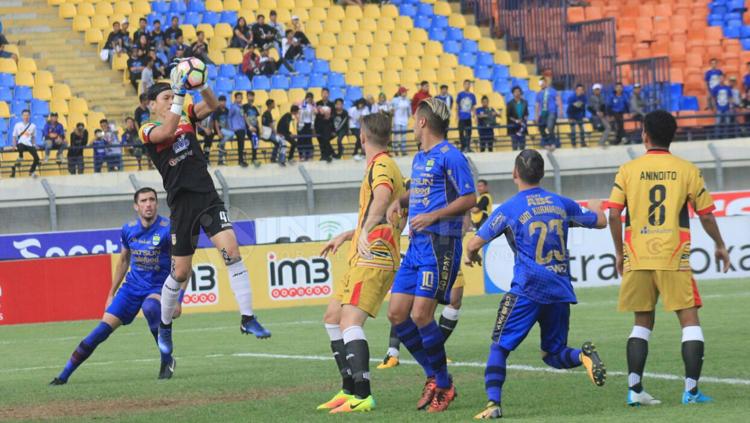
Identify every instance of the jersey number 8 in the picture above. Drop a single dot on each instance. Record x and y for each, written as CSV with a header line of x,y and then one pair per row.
x,y
656,211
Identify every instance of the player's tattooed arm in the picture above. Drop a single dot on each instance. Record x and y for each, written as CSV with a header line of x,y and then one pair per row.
x,y
120,270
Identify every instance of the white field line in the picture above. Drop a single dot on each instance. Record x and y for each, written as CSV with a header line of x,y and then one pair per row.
x,y
472,364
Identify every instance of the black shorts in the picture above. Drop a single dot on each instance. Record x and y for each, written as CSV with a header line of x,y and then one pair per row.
x,y
191,211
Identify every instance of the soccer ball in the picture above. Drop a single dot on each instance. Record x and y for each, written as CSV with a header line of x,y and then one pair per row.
x,y
196,72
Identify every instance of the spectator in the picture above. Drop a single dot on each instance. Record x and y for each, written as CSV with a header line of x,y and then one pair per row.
x,y
616,108
547,107
517,115
23,141
277,26
283,129
356,113
53,135
125,40
177,50
113,44
250,63
713,78
142,30
239,128
159,69
205,129
132,141
242,36
263,34
445,97
6,54
722,95
251,115
305,127
467,102
79,138
422,94
597,107
114,148
736,95
576,114
220,120
637,111
156,38
340,125
746,79
324,125
266,65
746,107
147,74
142,113
100,150
371,106
135,67
199,48
143,44
174,32
298,33
486,121
291,50
483,207
382,105
268,133
401,111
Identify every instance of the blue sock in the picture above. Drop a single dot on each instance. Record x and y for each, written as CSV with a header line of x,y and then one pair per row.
x,y
152,311
494,373
434,344
409,335
568,358
85,348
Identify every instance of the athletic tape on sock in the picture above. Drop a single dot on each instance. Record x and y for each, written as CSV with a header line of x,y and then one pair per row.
x,y
640,332
450,313
334,332
692,333
353,333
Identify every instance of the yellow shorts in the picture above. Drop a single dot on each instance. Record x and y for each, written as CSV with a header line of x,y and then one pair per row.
x,y
364,287
641,289
460,281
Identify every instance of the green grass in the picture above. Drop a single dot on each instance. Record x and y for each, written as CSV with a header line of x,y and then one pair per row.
x,y
213,383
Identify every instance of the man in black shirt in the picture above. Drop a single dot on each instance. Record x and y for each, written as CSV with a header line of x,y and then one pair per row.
x,y
135,66
284,130
125,35
174,31
298,34
251,115
142,30
268,133
263,33
171,142
114,40
156,39
78,140
324,125
141,113
340,125
199,48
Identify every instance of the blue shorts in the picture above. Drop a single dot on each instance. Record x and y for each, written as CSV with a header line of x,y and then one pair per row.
x,y
127,302
429,267
517,315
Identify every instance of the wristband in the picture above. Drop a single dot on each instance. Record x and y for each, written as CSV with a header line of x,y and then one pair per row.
x,y
177,103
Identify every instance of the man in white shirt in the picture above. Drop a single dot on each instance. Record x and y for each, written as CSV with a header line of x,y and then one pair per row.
x,y
278,26
23,140
356,113
401,111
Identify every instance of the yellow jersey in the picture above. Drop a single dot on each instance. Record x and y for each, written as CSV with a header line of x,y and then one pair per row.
x,y
484,204
655,190
384,238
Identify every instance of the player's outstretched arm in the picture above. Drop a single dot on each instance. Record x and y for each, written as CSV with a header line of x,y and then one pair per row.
x,y
473,247
601,218
708,221
333,245
615,228
120,270
207,105
381,195
457,207
394,210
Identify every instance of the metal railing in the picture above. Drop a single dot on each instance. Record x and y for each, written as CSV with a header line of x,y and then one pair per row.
x,y
653,75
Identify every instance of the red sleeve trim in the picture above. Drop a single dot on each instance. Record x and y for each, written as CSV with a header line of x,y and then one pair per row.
x,y
386,183
614,205
707,210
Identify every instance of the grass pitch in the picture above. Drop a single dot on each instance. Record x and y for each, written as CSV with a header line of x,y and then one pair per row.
x,y
222,376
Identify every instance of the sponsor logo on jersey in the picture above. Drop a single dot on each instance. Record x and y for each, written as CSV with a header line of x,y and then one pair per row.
x,y
156,239
299,277
430,163
181,144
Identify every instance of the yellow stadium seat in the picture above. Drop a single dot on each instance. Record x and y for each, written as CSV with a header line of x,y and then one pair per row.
x,y
518,70
482,86
342,52
214,6
302,14
216,56
386,24
93,119
85,9
26,64
25,78
419,34
75,119
400,36
404,22
318,14
457,21
487,45
345,39
371,90
274,54
371,11
389,10
94,36
142,7
217,44
463,73
502,57
383,36
398,50
334,12
433,48
223,30
188,33
442,8
379,50
249,5
12,48
365,38
332,26
104,8
296,95
284,16
362,52
232,5
338,64
391,76
81,23
354,78
122,8
472,33
357,64
446,74
101,23
61,92
368,24
67,11
354,12
42,92
428,75
120,62
78,106
350,25
43,78
313,27
233,56
375,64
55,2
448,61
279,96
313,39
327,39
207,29
4,110
415,49
409,77
395,63
430,62
429,1
8,66
324,52
410,63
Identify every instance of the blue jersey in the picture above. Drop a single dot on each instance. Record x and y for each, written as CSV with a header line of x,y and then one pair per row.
x,y
438,177
535,223
149,253
466,101
713,77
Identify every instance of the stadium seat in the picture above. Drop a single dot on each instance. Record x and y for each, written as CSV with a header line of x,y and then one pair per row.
x,y
24,79
261,82
8,66
78,106
4,110
67,11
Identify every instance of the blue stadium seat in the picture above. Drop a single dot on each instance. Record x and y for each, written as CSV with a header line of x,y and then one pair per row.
x,y
309,53
408,10
17,107
455,34
452,47
437,34
336,79
675,91
745,31
213,71
7,80
337,92
318,79
153,17
193,18
732,31
423,21
483,72
353,94
22,93
229,17
39,107
440,21
425,9
193,5
485,59
280,82
159,7
227,71
300,81
736,5
470,46
242,83
211,18
6,94
261,82
466,58
224,84
689,103
745,43
321,66
303,66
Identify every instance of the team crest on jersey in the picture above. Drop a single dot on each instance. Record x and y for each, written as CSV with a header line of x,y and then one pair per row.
x,y
155,240
444,149
174,239
181,144
428,166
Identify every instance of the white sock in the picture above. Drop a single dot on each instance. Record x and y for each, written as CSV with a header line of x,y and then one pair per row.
x,y
633,379
239,279
450,313
393,352
170,293
692,333
690,384
334,332
353,333
641,332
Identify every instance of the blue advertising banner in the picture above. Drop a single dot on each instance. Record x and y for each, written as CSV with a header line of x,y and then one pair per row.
x,y
101,241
